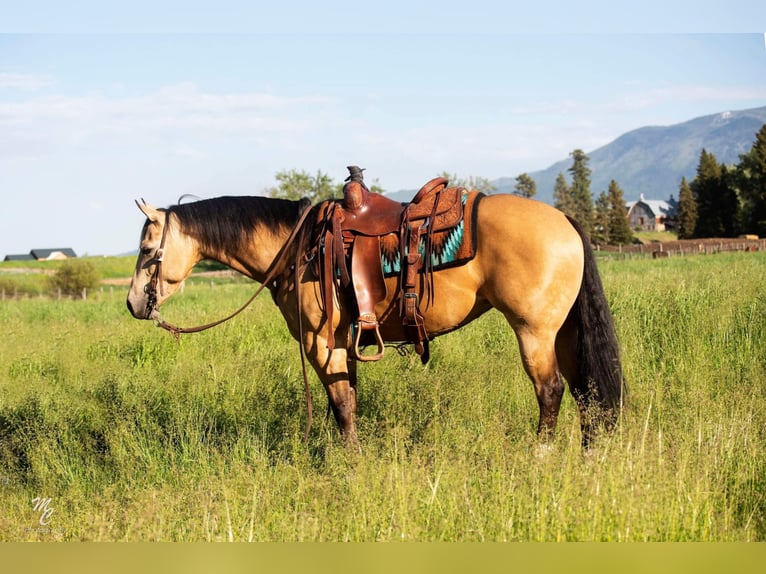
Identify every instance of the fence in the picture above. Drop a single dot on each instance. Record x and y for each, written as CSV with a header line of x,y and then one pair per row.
x,y
16,293
109,289
687,247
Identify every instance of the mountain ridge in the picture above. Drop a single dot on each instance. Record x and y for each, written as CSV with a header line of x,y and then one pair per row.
x,y
651,160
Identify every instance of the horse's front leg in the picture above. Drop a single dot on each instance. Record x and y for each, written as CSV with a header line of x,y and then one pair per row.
x,y
333,370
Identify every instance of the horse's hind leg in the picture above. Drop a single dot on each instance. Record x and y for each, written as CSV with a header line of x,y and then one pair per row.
x,y
566,352
539,358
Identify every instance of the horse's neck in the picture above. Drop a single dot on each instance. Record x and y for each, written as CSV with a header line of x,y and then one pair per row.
x,y
254,258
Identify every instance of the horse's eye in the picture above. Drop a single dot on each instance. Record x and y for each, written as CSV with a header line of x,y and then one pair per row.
x,y
146,250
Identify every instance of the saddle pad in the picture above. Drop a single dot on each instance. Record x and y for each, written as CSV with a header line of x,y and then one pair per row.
x,y
451,247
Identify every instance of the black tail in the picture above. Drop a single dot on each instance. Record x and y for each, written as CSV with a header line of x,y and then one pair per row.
x,y
600,383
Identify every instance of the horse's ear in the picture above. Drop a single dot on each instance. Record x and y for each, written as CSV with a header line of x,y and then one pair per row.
x,y
152,213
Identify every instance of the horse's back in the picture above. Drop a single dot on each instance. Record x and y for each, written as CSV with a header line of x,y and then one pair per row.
x,y
526,222
528,265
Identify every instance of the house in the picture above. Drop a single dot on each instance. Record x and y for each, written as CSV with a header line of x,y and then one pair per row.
x,y
50,254
21,257
43,255
651,214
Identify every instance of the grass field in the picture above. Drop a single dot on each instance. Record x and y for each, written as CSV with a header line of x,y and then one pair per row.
x,y
117,432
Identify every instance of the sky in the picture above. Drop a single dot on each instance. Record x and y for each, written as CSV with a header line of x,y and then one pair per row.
x,y
94,115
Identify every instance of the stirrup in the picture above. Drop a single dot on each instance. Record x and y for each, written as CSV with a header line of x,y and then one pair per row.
x,y
379,340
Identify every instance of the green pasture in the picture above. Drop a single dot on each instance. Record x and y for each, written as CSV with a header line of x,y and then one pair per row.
x,y
112,430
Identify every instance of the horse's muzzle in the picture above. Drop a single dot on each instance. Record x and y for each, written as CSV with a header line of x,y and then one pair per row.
x,y
148,312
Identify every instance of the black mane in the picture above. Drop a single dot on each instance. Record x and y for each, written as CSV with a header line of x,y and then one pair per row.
x,y
226,223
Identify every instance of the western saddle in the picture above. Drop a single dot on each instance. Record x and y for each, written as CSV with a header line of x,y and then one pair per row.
x,y
351,235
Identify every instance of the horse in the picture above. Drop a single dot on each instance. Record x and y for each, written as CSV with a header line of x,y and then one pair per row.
x,y
532,263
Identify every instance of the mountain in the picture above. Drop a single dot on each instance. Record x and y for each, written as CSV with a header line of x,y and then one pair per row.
x,y
652,160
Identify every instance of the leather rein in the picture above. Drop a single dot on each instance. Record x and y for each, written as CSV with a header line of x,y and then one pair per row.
x,y
274,271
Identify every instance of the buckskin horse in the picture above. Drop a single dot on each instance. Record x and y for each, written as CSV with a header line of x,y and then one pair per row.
x,y
532,263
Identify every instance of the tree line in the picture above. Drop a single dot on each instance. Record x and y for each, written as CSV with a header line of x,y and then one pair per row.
x,y
606,221
296,184
721,201
725,200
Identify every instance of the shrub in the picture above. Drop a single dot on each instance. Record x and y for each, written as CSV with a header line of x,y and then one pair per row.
x,y
73,276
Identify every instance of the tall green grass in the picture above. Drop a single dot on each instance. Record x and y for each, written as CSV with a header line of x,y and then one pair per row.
x,y
133,436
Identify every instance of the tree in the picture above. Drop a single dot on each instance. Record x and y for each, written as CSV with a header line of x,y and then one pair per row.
x,y
751,177
582,200
619,232
717,203
731,205
687,211
562,196
295,185
74,276
472,182
374,187
525,186
601,220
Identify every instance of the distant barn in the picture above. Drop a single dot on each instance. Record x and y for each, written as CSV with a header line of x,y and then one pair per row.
x,y
651,214
20,257
43,255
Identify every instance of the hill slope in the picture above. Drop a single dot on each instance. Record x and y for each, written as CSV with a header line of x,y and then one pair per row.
x,y
651,160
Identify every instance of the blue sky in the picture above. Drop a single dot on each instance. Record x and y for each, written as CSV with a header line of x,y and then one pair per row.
x,y
100,115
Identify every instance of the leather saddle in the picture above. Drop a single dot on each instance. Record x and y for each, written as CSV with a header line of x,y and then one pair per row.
x,y
350,244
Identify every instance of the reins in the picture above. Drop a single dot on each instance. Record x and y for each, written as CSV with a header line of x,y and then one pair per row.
x,y
272,273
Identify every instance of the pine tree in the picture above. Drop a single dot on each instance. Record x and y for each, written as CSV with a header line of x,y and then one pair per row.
x,y
751,173
704,187
717,203
562,196
525,186
600,234
731,210
687,211
619,228
581,197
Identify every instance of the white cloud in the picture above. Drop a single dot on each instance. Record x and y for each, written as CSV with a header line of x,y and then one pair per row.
x,y
179,106
643,99
263,132
181,117
187,152
25,82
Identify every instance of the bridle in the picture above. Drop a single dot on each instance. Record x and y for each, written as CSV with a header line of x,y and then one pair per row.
x,y
273,273
156,279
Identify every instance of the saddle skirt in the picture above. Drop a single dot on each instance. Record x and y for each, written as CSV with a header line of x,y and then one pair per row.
x,y
450,247
360,247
